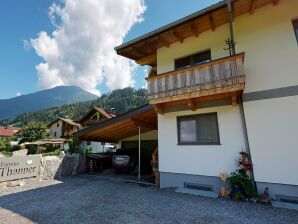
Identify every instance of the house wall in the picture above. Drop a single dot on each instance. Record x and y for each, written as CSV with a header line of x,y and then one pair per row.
x,y
270,104
203,160
56,129
95,146
267,38
272,126
150,135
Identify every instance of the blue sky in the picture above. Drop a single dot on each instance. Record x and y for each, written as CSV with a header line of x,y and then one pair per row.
x,y
22,20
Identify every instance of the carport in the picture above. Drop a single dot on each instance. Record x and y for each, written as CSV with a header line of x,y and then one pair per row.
x,y
119,129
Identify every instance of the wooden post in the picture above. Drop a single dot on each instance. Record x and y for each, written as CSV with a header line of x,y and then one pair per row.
x,y
191,104
234,100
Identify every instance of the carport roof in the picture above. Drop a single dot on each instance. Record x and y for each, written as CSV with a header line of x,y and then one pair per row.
x,y
122,126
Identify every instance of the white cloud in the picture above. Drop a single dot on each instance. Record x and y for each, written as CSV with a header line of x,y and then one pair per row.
x,y
27,45
18,94
80,51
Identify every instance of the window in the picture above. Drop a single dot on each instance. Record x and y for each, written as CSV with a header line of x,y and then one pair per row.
x,y
55,134
58,125
95,117
201,129
194,59
295,25
88,143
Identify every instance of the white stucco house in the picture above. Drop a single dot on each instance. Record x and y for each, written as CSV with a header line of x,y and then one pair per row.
x,y
225,80
62,128
95,116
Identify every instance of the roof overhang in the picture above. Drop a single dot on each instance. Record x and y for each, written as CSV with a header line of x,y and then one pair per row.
x,y
143,49
92,111
122,126
68,121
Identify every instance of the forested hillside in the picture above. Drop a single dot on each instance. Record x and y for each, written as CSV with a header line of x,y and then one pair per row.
x,y
43,99
122,100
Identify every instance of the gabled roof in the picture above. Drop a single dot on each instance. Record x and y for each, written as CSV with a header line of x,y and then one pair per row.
x,y
66,120
6,131
93,110
143,49
122,126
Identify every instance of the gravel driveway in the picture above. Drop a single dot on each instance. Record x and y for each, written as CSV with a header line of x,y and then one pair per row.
x,y
89,199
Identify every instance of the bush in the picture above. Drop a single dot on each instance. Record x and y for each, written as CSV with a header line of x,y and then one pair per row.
x,y
7,153
5,147
53,153
32,149
240,183
4,144
87,150
239,196
33,132
74,147
242,180
15,148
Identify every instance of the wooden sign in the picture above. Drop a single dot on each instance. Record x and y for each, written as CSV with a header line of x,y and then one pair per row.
x,y
19,167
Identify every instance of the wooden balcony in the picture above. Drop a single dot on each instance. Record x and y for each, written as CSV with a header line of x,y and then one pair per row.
x,y
215,79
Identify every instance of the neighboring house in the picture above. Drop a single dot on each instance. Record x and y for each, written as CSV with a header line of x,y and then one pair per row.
x,y
63,128
7,132
95,116
213,103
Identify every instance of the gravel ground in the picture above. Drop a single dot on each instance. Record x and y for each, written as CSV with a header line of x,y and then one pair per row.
x,y
90,199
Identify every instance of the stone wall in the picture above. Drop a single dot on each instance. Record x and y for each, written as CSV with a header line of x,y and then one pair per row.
x,y
55,167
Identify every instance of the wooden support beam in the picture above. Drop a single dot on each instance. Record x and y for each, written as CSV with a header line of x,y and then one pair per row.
x,y
194,30
211,21
191,104
135,51
178,36
159,108
148,60
124,134
148,47
275,2
234,100
164,41
143,123
252,6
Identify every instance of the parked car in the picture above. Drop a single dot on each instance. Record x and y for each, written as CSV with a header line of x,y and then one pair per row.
x,y
126,160
98,161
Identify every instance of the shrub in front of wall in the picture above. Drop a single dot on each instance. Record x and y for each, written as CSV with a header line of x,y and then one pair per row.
x,y
15,148
31,149
52,153
240,182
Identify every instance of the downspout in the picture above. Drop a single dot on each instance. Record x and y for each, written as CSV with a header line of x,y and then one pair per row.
x,y
240,100
230,15
246,141
139,172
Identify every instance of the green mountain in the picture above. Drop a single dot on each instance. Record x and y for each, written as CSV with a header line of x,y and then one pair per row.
x,y
122,100
43,99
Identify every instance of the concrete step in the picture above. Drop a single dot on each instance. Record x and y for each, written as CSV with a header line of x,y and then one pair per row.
x,y
209,194
279,204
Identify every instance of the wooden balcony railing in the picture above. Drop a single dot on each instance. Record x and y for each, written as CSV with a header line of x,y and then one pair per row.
x,y
216,77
